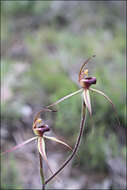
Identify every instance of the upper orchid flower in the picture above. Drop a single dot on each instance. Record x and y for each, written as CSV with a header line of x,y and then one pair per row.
x,y
85,82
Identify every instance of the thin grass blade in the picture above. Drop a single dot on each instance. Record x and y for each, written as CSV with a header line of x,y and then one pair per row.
x,y
19,145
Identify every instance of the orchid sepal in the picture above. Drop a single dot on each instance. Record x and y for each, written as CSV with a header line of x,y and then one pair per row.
x,y
64,98
87,101
41,148
19,145
57,140
110,101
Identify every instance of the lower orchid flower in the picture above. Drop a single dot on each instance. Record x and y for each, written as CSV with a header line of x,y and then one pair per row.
x,y
39,128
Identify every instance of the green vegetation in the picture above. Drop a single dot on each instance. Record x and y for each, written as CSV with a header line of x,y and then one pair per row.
x,y
54,55
10,177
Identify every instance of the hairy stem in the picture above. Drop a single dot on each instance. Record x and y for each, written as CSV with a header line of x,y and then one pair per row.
x,y
83,119
41,172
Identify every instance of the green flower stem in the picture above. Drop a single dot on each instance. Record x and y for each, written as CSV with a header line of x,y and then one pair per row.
x,y
83,120
41,172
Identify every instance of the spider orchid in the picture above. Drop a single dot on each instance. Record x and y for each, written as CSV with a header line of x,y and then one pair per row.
x,y
39,129
85,82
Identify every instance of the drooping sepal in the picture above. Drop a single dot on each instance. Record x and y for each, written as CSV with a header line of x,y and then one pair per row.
x,y
41,148
57,140
109,100
19,145
87,101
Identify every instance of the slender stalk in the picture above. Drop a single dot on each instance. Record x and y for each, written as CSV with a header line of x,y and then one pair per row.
x,y
83,119
41,172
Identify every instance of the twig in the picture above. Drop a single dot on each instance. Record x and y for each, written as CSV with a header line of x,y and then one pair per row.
x,y
83,119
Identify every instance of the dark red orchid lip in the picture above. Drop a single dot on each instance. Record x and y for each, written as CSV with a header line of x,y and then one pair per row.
x,y
87,82
90,80
43,129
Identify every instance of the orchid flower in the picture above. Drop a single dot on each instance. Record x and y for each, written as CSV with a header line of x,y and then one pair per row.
x,y
39,129
85,82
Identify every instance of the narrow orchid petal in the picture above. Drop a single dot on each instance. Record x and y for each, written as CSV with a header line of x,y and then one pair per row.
x,y
64,98
19,146
87,100
113,106
41,148
57,140
43,110
82,67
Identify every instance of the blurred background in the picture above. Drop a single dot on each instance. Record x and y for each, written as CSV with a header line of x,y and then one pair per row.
x,y
43,45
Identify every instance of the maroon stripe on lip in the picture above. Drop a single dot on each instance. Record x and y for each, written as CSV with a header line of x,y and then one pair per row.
x,y
87,82
90,80
42,130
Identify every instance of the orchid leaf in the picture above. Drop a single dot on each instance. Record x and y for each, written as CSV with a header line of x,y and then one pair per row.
x,y
19,146
57,140
64,98
87,100
41,148
113,106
